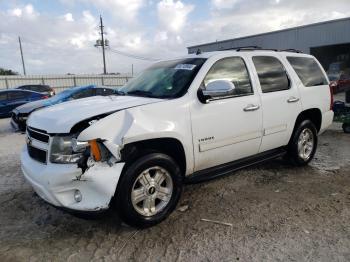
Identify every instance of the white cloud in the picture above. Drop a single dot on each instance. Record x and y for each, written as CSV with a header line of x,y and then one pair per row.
x,y
69,17
173,15
29,9
126,10
25,11
64,42
224,4
16,12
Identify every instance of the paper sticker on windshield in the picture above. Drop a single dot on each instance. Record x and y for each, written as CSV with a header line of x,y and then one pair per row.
x,y
185,66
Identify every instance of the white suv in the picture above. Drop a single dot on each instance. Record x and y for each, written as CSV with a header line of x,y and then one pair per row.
x,y
182,120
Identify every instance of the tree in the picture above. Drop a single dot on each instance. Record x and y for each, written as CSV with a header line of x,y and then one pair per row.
x,y
6,72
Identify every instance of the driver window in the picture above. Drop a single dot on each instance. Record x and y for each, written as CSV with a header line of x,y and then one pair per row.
x,y
234,70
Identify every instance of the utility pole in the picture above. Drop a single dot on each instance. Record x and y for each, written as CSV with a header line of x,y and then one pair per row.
x,y
20,47
103,46
132,70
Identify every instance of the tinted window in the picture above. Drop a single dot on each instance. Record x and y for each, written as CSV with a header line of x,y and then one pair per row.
x,y
308,71
104,92
42,88
272,75
83,93
167,79
33,88
16,95
3,96
234,70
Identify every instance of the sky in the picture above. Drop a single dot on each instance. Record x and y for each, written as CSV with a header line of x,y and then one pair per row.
x,y
58,36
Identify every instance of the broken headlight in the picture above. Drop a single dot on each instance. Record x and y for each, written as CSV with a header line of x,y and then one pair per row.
x,y
66,150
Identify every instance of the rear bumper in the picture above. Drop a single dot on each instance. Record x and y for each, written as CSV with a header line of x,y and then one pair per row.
x,y
58,183
327,119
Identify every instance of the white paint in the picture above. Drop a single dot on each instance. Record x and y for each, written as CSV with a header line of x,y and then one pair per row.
x,y
211,134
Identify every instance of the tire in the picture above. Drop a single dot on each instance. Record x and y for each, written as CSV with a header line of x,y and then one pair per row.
x,y
141,176
346,128
301,150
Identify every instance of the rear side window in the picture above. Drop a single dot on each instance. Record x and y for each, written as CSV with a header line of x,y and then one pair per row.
x,y
272,75
234,70
15,95
308,71
43,88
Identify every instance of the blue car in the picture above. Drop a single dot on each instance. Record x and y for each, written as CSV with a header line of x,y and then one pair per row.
x,y
12,98
20,114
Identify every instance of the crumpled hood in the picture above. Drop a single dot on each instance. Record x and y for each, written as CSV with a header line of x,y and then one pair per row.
x,y
62,117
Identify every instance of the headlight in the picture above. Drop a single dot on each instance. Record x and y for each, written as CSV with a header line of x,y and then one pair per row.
x,y
22,118
65,149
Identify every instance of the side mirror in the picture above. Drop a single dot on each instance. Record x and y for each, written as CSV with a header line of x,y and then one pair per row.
x,y
215,90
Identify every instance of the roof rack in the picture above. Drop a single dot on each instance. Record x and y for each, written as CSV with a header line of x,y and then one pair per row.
x,y
250,48
291,50
253,48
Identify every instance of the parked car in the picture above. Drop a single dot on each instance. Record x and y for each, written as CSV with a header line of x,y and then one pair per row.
x,y
44,89
21,113
12,98
183,120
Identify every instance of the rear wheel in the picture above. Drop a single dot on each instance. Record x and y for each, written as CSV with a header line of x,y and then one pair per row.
x,y
303,144
149,190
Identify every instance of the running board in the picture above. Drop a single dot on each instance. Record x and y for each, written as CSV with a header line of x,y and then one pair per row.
x,y
228,168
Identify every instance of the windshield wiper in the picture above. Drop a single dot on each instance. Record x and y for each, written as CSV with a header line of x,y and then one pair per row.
x,y
141,93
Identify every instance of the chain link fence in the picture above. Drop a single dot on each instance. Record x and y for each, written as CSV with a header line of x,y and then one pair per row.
x,y
62,82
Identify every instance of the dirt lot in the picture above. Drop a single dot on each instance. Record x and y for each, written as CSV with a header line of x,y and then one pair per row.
x,y
278,213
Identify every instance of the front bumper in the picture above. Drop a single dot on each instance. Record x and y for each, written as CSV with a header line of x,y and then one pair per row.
x,y
57,183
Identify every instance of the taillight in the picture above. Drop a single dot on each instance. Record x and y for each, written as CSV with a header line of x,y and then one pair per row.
x,y
45,97
332,97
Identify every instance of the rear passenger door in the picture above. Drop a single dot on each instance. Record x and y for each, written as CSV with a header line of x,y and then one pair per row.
x,y
280,100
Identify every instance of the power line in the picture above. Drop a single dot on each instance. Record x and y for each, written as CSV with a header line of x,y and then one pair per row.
x,y
131,55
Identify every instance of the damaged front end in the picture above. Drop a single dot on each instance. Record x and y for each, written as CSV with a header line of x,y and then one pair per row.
x,y
79,175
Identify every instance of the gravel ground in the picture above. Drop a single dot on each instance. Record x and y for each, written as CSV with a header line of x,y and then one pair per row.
x,y
277,212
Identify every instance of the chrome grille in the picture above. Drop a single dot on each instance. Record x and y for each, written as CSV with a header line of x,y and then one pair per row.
x,y
37,154
37,144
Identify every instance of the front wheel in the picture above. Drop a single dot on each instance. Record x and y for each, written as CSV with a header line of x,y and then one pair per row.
x,y
149,190
303,144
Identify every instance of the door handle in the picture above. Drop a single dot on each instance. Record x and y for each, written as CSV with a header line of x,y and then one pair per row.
x,y
251,107
293,99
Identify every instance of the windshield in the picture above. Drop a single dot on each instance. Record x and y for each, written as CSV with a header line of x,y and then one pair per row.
x,y
168,79
62,95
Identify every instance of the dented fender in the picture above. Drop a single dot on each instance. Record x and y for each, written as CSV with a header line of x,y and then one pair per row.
x,y
152,121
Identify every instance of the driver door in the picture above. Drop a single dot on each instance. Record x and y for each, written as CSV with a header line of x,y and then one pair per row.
x,y
228,128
